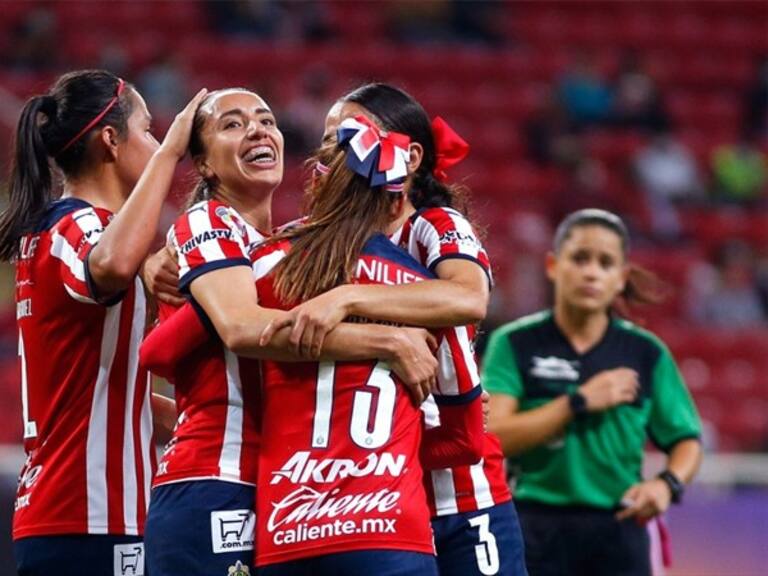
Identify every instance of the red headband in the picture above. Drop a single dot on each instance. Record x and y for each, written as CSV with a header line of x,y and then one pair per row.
x,y
450,148
92,123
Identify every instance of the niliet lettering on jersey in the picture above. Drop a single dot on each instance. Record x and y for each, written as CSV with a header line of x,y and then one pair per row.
x,y
384,272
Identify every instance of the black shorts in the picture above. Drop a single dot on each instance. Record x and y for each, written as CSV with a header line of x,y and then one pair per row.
x,y
582,541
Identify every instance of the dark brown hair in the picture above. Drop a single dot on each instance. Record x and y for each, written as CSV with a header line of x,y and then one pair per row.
x,y
398,111
642,286
343,213
45,130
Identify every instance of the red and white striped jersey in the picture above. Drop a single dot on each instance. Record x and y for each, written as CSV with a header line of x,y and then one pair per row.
x,y
208,236
86,402
431,236
342,472
217,392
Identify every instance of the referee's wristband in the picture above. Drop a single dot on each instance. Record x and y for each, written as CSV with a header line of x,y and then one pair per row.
x,y
676,486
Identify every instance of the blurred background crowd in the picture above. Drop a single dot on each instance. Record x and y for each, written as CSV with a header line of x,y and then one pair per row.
x,y
657,110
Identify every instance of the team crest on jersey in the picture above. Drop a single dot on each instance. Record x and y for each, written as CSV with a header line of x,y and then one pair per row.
x,y
226,216
553,368
238,570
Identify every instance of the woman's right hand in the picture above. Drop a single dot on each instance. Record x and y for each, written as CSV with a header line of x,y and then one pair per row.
x,y
610,388
176,140
413,360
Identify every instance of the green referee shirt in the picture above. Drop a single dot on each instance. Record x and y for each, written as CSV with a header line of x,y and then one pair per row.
x,y
599,455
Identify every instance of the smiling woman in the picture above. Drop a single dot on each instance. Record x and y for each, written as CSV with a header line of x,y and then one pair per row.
x,y
208,472
200,520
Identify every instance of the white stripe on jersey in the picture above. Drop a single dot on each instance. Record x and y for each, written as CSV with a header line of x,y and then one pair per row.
x,y
264,266
90,223
62,250
130,474
427,236
445,492
447,377
229,460
200,222
431,412
483,495
79,297
146,438
96,444
182,259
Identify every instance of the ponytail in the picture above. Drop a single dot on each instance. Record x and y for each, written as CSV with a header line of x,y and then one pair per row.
x,y
30,188
428,192
642,287
55,126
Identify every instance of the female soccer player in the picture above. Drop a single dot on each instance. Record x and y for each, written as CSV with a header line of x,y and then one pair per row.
x,y
340,480
475,523
201,514
86,404
575,391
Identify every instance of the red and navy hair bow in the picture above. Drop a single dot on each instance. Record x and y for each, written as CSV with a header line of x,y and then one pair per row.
x,y
376,154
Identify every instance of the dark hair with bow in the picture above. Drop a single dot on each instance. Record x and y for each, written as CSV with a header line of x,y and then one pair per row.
x,y
398,111
56,126
343,212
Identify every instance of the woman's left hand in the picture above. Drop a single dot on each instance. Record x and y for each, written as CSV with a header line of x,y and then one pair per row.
x,y
311,322
645,500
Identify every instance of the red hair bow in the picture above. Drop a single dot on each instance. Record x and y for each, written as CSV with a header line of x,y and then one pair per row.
x,y
450,148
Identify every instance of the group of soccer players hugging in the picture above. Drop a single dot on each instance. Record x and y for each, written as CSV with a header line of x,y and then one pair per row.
x,y
327,417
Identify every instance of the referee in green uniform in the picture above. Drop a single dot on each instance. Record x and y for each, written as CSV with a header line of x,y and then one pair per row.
x,y
575,393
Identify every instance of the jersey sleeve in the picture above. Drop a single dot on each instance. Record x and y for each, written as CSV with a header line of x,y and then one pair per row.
x,y
458,378
458,440
501,374
673,414
72,240
443,233
180,334
207,237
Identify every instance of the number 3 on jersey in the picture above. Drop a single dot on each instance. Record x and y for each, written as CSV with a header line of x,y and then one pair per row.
x,y
372,408
487,552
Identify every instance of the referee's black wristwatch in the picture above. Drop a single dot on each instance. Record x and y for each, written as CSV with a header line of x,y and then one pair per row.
x,y
578,404
676,487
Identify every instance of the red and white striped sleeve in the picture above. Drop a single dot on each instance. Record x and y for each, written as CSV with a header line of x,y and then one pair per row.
x,y
442,233
458,376
72,239
208,236
453,418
